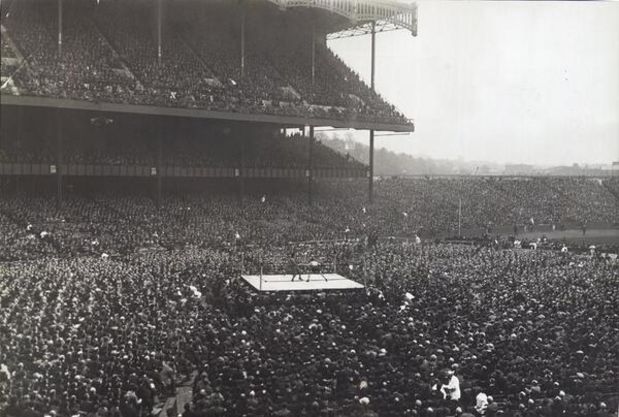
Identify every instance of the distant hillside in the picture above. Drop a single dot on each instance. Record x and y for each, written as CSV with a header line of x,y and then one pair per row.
x,y
388,163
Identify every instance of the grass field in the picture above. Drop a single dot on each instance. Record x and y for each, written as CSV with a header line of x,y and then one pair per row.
x,y
595,235
591,237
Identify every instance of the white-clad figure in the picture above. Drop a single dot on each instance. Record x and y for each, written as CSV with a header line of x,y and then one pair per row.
x,y
481,403
450,386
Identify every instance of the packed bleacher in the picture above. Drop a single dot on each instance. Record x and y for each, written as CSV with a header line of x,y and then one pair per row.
x,y
130,142
496,201
110,302
612,185
87,69
8,60
110,53
126,141
403,208
6,49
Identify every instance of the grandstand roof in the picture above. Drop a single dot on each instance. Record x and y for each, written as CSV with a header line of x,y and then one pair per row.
x,y
388,14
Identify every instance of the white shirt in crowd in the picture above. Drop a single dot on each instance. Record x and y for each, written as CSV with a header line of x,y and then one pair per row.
x,y
451,391
481,403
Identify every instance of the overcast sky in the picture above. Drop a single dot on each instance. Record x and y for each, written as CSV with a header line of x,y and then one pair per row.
x,y
521,82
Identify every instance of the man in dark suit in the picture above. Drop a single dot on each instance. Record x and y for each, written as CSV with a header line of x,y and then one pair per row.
x,y
294,267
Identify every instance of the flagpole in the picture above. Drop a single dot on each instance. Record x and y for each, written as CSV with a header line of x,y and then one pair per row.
x,y
260,284
460,217
59,27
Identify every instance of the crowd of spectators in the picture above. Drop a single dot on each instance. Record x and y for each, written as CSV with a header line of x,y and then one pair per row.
x,y
6,50
8,64
86,69
192,148
534,331
258,79
612,185
278,213
110,53
488,202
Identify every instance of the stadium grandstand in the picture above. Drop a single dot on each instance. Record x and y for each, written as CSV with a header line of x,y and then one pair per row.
x,y
175,241
210,60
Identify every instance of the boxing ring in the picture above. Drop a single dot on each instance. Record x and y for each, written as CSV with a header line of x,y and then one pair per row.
x,y
306,266
307,282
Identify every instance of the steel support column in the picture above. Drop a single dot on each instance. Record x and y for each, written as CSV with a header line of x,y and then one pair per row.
x,y
371,170
242,39
313,55
159,163
373,55
59,158
310,164
242,170
59,27
159,31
